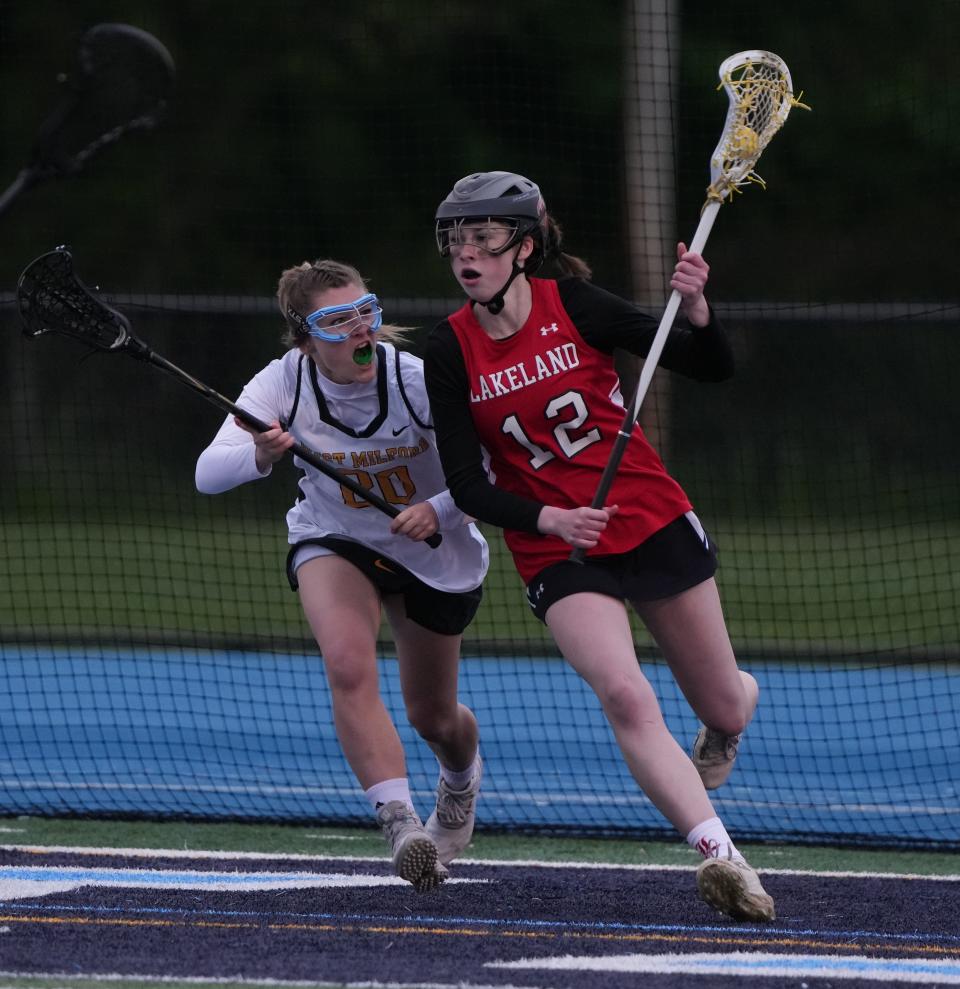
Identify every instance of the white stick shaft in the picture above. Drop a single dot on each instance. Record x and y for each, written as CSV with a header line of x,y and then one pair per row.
x,y
697,245
707,216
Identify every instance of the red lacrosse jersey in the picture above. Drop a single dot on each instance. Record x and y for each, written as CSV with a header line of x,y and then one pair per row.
x,y
547,408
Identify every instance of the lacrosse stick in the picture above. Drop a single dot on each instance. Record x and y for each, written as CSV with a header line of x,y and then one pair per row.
x,y
52,299
122,79
760,92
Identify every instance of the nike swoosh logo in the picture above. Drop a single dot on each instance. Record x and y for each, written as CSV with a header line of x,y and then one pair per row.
x,y
380,565
397,432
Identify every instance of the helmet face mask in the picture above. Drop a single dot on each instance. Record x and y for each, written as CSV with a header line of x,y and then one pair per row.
x,y
492,235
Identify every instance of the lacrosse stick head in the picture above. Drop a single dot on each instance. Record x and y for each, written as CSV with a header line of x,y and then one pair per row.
x,y
52,299
760,91
121,83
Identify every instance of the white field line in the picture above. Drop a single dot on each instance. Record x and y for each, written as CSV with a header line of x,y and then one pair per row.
x,y
940,972
186,853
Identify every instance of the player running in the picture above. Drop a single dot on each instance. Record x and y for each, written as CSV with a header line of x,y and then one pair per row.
x,y
344,390
523,374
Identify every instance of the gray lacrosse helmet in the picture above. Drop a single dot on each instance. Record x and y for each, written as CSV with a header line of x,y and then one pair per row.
x,y
503,195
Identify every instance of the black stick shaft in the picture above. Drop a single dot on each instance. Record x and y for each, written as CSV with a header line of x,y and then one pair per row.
x,y
707,217
609,472
22,182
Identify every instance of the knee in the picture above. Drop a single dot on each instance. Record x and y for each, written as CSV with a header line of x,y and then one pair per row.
x,y
728,716
751,691
628,703
348,673
730,723
435,725
730,710
733,717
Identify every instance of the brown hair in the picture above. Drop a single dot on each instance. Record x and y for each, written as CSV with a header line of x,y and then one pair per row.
x,y
299,286
567,264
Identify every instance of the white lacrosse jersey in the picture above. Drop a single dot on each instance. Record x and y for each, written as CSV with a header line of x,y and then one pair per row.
x,y
381,435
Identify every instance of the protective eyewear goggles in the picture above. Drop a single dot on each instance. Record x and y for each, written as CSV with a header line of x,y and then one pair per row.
x,y
335,323
490,235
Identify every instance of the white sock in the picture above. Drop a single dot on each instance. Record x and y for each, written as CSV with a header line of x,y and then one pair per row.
x,y
461,780
711,840
388,790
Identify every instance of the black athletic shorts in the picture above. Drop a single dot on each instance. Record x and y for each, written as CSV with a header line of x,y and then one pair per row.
x,y
673,559
442,612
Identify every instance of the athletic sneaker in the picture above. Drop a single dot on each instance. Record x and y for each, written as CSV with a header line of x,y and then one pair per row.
x,y
451,823
733,887
414,853
714,755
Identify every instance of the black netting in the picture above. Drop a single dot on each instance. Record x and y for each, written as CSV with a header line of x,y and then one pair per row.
x,y
155,662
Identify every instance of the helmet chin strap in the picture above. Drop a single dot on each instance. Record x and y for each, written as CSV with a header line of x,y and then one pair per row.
x,y
495,305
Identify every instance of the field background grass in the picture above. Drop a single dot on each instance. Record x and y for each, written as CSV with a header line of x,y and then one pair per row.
x,y
808,590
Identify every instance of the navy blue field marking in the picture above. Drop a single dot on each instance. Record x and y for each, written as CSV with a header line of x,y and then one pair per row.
x,y
391,934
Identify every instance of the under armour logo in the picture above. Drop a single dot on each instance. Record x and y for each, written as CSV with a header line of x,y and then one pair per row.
x,y
544,330
533,595
708,848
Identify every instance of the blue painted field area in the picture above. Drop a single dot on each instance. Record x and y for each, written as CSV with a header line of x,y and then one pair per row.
x,y
836,752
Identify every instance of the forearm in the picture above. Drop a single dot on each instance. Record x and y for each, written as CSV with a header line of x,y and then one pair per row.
x,y
478,498
701,352
224,465
449,516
